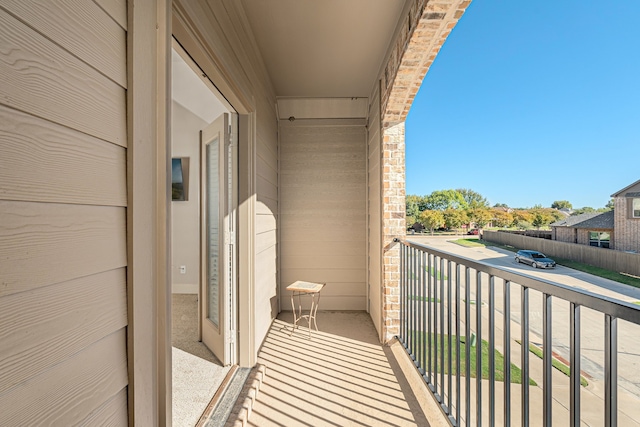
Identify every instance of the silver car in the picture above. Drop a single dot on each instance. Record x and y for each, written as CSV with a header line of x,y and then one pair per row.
x,y
535,259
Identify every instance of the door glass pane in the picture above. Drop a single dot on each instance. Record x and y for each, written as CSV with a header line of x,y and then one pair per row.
x,y
213,232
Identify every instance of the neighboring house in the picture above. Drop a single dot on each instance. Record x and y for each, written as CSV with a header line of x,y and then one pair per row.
x,y
593,229
618,229
627,218
315,93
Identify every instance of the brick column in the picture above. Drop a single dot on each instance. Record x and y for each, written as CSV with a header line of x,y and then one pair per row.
x,y
393,222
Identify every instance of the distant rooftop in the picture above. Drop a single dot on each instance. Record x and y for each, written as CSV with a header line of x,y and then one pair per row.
x,y
587,220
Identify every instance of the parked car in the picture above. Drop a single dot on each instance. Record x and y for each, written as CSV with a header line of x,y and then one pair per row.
x,y
473,231
535,259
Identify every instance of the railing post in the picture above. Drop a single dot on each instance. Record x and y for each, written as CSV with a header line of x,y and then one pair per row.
x,y
423,312
507,352
458,343
492,353
467,345
547,356
403,275
449,342
429,329
524,352
442,390
479,348
574,362
610,371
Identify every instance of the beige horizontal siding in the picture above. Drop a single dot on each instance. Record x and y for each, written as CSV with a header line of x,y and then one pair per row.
x,y
322,207
66,394
116,9
63,198
45,243
81,28
38,336
112,413
57,86
45,162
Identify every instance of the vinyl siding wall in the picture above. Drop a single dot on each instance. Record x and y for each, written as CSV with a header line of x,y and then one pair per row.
x,y
323,210
223,29
63,197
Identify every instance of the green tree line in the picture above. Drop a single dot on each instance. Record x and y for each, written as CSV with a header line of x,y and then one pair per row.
x,y
452,209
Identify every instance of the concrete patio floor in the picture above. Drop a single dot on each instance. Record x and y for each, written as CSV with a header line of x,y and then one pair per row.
x,y
341,376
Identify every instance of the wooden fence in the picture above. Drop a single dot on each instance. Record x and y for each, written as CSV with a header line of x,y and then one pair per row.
x,y
609,259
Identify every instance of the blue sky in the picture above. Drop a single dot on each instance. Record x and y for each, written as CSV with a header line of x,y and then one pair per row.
x,y
531,102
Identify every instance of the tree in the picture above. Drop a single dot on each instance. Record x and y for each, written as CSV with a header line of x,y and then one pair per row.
x,y
432,219
413,207
538,220
481,216
541,218
454,218
522,219
501,205
586,209
444,199
410,220
501,218
561,204
611,204
473,199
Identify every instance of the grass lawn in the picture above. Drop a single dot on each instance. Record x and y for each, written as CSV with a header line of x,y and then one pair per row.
x,y
560,366
470,243
516,373
432,272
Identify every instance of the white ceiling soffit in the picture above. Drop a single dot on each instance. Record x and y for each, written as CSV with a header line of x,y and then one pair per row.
x,y
323,48
323,108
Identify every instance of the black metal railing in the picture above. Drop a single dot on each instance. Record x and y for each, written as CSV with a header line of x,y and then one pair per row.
x,y
448,310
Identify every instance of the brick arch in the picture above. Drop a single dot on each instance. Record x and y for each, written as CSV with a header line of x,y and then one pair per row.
x,y
425,30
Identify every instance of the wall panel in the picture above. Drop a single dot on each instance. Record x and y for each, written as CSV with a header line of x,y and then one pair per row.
x,y
44,162
63,204
36,337
323,211
71,390
81,28
41,78
44,243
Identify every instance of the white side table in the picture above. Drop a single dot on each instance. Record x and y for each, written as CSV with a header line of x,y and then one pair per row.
x,y
298,289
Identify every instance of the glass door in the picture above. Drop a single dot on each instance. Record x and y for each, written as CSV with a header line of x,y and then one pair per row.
x,y
218,275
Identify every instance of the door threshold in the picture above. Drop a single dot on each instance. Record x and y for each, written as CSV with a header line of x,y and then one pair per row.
x,y
221,405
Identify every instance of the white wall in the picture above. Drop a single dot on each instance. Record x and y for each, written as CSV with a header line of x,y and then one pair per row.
x,y
185,216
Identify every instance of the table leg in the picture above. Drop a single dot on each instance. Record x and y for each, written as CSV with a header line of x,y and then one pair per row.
x,y
293,308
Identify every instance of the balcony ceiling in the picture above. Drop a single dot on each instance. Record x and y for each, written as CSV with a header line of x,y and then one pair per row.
x,y
323,48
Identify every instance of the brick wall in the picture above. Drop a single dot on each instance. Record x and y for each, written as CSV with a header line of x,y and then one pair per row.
x,y
627,229
393,219
425,29
564,234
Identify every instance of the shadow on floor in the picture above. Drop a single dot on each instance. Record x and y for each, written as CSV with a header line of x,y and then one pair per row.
x,y
341,376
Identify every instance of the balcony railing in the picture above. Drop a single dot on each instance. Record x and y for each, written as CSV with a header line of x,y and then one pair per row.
x,y
454,310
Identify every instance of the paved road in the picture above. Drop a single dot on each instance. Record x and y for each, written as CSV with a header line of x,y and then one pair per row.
x,y
592,336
